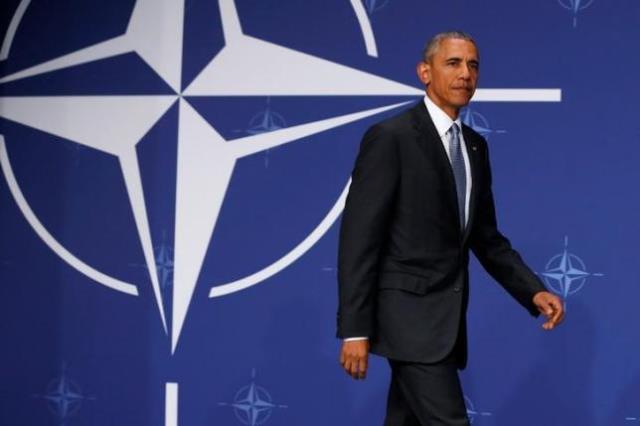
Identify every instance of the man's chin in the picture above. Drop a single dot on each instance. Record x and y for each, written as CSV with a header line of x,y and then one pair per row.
x,y
462,104
463,101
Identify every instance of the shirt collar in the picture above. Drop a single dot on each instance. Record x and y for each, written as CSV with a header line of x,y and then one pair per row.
x,y
440,118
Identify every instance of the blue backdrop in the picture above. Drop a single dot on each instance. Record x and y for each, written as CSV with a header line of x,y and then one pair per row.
x,y
173,174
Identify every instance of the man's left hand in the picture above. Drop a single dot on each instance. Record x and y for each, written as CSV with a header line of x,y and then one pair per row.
x,y
550,306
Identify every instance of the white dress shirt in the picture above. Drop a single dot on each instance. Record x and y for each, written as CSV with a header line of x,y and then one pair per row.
x,y
443,123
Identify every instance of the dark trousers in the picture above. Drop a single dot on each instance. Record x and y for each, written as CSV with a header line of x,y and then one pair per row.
x,y
425,395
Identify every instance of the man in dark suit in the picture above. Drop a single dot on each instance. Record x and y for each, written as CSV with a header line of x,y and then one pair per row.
x,y
420,198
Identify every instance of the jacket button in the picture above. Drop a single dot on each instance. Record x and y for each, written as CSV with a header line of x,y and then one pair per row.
x,y
456,289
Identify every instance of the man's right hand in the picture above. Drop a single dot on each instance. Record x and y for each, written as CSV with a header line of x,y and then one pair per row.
x,y
354,356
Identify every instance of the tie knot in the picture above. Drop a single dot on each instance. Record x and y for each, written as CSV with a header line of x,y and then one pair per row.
x,y
454,130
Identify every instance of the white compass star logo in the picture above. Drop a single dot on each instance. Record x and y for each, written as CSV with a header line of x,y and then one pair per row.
x,y
253,404
266,121
566,273
64,397
164,264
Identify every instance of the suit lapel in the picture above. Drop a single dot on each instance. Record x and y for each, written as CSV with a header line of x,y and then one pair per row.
x,y
431,144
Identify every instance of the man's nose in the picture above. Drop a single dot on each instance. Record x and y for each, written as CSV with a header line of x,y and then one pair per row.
x,y
465,71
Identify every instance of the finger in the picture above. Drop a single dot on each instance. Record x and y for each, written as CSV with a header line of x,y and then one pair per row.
x,y
549,323
353,371
342,357
556,312
557,315
544,310
363,368
347,366
549,310
562,314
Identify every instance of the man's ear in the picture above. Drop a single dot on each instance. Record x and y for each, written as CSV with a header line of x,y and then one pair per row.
x,y
423,69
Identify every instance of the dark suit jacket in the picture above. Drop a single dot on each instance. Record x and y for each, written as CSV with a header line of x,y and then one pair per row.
x,y
403,259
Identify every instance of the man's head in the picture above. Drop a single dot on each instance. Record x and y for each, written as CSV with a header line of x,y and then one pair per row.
x,y
449,68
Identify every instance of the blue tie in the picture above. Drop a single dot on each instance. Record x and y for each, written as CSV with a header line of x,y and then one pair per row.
x,y
457,164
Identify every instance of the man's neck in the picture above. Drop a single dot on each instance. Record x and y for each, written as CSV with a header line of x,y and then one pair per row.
x,y
450,111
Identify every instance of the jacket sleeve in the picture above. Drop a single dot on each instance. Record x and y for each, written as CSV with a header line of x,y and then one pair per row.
x,y
495,253
363,231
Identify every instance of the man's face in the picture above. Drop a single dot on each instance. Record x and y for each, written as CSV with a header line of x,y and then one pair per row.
x,y
451,75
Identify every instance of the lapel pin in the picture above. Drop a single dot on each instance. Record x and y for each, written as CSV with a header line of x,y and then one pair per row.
x,y
473,147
